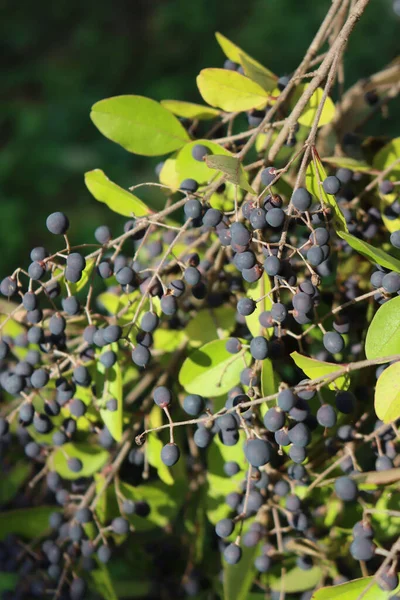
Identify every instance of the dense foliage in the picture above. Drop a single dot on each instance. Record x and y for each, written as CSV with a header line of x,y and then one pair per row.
x,y
206,404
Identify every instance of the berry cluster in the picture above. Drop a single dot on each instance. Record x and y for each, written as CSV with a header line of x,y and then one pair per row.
x,y
238,314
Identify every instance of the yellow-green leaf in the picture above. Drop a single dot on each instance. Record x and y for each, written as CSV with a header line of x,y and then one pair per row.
x,y
258,73
233,52
315,175
309,113
93,459
255,291
317,368
190,110
375,255
211,369
119,200
232,169
153,448
352,591
208,324
387,394
112,388
169,175
345,162
383,335
230,90
187,166
139,124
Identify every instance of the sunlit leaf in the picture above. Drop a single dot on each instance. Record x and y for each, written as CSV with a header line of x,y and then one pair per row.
x,y
352,591
206,324
257,290
102,582
233,52
112,388
153,449
310,110
187,166
93,459
211,369
317,368
230,90
190,110
315,175
375,255
139,124
297,580
232,168
163,505
345,162
387,394
119,200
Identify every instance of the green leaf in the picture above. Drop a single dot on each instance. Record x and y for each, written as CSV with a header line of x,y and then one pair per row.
x,y
309,113
232,169
297,580
258,73
26,522
163,504
75,288
238,579
187,166
315,175
154,447
345,162
387,394
139,124
211,369
257,290
375,255
8,581
12,480
168,339
168,174
351,591
233,52
208,324
230,90
93,458
317,368
269,384
102,582
112,388
190,110
388,155
117,199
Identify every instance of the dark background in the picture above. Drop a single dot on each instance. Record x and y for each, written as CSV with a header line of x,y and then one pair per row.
x,y
59,57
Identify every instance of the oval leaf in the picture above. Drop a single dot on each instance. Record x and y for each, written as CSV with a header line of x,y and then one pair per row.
x,y
112,389
233,52
383,336
119,200
187,166
190,110
139,124
26,522
204,327
387,394
308,115
230,90
345,162
317,368
297,580
375,255
315,175
211,369
93,459
255,291
351,591
232,169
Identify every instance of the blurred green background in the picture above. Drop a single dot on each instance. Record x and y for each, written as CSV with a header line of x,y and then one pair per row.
x,y
58,58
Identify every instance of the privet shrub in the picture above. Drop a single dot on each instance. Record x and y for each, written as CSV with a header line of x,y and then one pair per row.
x,y
204,403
